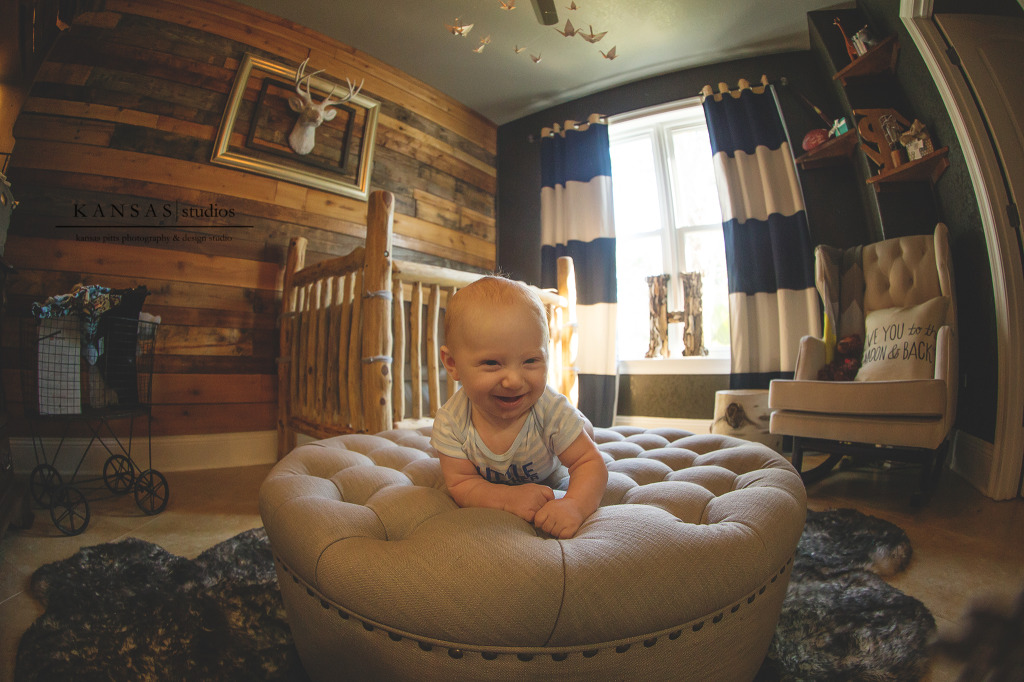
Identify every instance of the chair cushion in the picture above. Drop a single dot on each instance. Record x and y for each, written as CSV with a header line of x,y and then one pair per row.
x,y
910,432
916,398
899,343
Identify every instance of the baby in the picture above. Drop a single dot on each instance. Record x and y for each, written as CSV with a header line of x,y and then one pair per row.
x,y
505,437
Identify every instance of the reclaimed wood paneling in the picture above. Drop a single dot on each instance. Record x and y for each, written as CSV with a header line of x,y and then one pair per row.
x,y
111,168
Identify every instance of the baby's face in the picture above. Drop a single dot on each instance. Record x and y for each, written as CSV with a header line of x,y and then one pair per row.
x,y
501,360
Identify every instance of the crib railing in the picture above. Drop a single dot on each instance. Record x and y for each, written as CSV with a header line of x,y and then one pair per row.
x,y
361,334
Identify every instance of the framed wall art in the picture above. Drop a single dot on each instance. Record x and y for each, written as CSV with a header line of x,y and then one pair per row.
x,y
259,130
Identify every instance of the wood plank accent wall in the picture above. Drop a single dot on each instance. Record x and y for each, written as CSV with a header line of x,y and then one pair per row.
x,y
122,120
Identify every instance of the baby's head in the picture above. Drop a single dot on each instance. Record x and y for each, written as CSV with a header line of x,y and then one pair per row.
x,y
491,293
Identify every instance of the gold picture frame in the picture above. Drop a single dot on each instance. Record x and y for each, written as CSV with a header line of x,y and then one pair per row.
x,y
253,132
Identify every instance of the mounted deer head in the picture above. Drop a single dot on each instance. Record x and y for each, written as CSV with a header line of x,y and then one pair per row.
x,y
311,115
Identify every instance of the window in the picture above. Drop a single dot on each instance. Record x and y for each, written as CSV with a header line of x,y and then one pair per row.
x,y
667,221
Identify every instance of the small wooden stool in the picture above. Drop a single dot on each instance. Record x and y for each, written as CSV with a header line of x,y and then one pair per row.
x,y
744,413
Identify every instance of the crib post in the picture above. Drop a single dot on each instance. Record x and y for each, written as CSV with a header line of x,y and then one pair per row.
x,y
296,260
376,313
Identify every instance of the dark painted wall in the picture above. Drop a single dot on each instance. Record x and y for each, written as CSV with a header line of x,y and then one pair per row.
x,y
841,210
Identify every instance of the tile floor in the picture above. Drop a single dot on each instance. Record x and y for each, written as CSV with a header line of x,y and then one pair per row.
x,y
966,546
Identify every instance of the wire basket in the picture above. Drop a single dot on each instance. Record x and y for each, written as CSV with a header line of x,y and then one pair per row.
x,y
75,364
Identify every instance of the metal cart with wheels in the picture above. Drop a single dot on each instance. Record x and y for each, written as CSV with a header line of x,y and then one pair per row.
x,y
89,377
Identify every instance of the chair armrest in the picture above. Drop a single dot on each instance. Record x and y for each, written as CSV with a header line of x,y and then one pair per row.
x,y
947,369
810,358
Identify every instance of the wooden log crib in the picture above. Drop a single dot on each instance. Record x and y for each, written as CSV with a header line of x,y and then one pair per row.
x,y
359,330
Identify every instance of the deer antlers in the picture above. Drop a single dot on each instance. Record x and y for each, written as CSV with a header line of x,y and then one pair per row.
x,y
311,115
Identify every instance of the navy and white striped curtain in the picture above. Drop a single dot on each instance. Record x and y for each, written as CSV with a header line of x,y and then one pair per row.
x,y
577,221
772,298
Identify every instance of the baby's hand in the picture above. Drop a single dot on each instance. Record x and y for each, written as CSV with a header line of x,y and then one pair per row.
x,y
525,500
560,518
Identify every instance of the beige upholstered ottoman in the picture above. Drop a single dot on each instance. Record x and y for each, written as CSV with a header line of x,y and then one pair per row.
x,y
679,575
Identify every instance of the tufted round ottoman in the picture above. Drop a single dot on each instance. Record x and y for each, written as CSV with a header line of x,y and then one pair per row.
x,y
679,575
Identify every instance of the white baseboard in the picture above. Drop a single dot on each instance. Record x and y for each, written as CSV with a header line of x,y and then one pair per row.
x,y
973,458
170,453
691,425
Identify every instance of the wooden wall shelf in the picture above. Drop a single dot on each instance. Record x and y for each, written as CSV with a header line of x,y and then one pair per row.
x,y
831,152
926,169
882,57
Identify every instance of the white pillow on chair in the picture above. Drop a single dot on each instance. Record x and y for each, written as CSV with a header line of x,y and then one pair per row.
x,y
899,343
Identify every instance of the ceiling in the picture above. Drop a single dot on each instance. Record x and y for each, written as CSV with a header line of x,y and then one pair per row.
x,y
650,37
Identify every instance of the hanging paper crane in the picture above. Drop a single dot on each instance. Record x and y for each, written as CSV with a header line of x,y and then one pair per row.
x,y
484,42
568,31
519,49
610,54
510,5
535,58
458,28
592,37
572,6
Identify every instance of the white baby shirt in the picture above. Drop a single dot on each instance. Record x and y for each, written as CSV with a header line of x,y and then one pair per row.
x,y
552,425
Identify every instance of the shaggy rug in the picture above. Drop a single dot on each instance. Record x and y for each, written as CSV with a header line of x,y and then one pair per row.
x,y
132,611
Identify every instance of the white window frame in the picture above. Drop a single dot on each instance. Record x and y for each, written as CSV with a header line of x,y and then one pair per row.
x,y
664,119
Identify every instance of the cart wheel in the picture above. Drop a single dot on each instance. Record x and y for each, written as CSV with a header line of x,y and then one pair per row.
x,y
119,474
151,491
70,510
43,481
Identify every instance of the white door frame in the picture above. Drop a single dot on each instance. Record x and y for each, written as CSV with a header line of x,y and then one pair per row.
x,y
1001,479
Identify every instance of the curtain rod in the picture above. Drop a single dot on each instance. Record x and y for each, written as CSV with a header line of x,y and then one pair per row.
x,y
743,84
569,124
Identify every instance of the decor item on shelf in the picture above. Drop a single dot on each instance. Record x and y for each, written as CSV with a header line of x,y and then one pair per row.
x,y
693,314
850,49
863,41
255,143
814,138
880,127
891,130
917,141
839,127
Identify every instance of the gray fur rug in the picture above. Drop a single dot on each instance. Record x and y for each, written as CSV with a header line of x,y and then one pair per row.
x,y
132,611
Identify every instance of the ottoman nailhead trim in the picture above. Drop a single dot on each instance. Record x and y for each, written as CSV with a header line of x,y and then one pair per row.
x,y
525,657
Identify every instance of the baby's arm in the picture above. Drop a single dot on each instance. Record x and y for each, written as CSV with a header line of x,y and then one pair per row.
x,y
588,477
469,489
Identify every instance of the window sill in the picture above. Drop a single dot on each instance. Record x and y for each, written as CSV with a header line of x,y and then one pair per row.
x,y
676,366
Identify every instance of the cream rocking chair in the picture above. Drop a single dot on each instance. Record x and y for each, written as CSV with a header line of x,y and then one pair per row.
x,y
897,296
